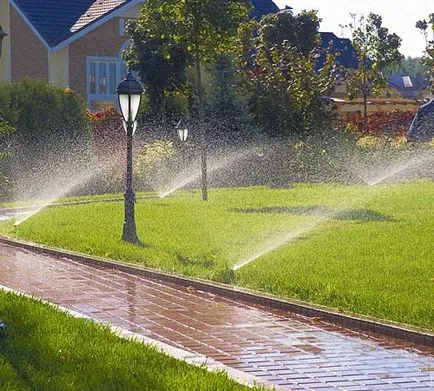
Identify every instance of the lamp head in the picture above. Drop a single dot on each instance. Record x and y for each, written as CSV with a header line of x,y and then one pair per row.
x,y
182,131
129,93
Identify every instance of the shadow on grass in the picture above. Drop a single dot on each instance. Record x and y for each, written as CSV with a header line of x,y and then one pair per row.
x,y
350,214
138,243
202,262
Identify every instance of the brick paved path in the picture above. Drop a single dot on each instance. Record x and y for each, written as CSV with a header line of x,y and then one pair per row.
x,y
284,349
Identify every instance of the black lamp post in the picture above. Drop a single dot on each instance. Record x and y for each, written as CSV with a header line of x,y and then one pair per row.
x,y
130,93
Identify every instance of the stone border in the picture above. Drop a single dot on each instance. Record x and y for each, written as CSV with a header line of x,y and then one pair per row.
x,y
195,359
359,323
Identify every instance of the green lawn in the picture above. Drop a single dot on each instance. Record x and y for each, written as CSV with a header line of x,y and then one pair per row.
x,y
45,349
97,197
361,249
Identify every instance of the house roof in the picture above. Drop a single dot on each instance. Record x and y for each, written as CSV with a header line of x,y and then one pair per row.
x,y
56,21
263,7
342,47
399,81
96,10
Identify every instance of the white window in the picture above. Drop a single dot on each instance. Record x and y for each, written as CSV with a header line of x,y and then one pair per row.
x,y
103,76
407,82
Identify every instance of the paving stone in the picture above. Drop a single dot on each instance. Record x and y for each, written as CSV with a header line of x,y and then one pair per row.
x,y
285,349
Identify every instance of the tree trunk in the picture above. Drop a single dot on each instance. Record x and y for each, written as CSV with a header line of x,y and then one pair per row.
x,y
203,144
365,94
365,112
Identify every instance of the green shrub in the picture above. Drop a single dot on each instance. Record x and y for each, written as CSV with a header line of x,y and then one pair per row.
x,y
51,131
6,132
155,164
43,114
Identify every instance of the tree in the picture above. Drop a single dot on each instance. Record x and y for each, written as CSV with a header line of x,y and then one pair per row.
x,y
413,67
225,107
278,59
203,29
161,66
300,31
377,52
428,58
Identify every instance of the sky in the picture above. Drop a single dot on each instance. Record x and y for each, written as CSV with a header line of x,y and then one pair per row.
x,y
399,17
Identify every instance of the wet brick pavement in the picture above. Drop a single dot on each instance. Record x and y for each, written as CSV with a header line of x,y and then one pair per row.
x,y
288,350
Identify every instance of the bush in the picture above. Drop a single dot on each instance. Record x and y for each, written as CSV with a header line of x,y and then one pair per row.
x,y
42,113
156,163
6,132
52,132
382,124
107,132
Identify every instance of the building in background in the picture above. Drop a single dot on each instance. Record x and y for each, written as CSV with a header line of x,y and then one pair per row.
x,y
73,43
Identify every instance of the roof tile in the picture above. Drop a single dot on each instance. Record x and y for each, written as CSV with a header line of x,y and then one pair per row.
x,y
58,20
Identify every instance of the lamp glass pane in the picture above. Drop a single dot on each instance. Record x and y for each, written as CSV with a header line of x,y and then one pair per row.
x,y
182,133
102,78
92,78
135,103
123,103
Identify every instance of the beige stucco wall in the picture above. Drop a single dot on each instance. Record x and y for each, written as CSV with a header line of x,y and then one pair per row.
x,y
5,60
58,64
105,41
29,56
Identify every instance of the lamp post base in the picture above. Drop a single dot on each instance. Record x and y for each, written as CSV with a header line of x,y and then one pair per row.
x,y
129,233
129,228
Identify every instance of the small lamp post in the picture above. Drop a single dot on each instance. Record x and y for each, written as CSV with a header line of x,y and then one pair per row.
x,y
182,132
129,93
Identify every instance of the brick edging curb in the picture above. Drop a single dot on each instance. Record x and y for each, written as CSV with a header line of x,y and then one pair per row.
x,y
349,321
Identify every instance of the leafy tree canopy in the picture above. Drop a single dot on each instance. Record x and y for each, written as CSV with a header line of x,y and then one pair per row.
x,y
171,34
412,66
377,52
425,26
203,28
161,73
281,75
301,31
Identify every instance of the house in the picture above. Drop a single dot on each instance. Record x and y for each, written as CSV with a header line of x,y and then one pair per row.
x,y
407,86
73,43
345,54
342,48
